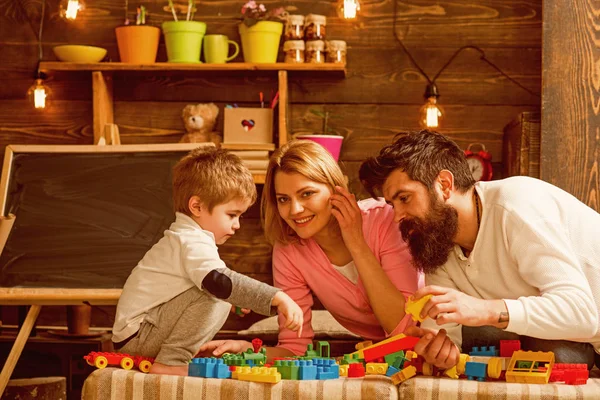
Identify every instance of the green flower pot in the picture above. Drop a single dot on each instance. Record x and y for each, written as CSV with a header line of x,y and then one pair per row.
x,y
183,40
260,42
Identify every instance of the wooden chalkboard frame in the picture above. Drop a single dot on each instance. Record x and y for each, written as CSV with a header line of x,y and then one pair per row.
x,y
37,297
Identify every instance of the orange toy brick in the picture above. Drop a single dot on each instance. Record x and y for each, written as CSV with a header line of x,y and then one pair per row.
x,y
403,375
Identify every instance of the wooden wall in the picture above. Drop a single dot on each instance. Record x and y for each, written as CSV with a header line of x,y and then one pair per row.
x,y
380,96
570,120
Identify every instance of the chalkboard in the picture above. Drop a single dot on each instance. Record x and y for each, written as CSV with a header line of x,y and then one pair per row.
x,y
85,215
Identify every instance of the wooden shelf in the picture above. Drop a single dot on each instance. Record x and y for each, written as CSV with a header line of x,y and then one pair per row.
x,y
329,69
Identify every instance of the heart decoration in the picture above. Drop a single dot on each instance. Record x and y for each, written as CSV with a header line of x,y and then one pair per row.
x,y
248,124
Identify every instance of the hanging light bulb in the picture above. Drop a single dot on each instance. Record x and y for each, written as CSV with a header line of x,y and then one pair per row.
x,y
70,8
431,113
38,93
348,9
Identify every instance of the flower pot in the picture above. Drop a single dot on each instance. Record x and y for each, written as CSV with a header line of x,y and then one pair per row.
x,y
183,40
138,44
332,143
260,42
78,319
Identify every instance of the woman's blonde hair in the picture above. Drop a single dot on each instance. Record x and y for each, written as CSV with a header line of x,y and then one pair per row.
x,y
214,175
303,157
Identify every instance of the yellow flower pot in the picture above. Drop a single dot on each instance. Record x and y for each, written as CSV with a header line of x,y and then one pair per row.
x,y
260,42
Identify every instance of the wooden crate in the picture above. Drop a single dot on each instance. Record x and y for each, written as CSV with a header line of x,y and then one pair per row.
x,y
521,146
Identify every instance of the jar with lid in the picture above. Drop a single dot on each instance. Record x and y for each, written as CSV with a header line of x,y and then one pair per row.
x,y
294,27
294,51
336,51
315,52
314,27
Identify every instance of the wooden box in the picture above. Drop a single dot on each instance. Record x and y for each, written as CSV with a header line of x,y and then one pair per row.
x,y
248,125
521,146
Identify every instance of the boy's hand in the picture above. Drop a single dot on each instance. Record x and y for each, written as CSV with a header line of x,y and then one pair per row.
x,y
290,310
218,347
240,311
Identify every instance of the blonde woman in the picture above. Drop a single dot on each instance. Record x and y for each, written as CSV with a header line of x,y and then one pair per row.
x,y
349,254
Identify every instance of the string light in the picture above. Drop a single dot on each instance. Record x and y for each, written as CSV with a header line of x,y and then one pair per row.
x,y
348,9
38,93
431,112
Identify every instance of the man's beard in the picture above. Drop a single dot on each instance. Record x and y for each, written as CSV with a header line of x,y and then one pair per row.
x,y
430,240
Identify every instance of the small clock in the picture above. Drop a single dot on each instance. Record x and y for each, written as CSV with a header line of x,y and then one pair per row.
x,y
480,163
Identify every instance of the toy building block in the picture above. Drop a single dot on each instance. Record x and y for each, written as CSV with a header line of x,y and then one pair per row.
x,y
475,370
258,358
494,369
322,345
508,347
380,351
310,352
351,359
414,307
462,363
416,362
327,369
356,370
376,368
288,369
256,344
344,370
306,370
259,374
403,375
530,367
571,374
363,344
396,359
102,359
484,351
209,368
391,370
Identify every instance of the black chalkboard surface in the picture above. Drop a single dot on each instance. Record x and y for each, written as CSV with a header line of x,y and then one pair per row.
x,y
85,215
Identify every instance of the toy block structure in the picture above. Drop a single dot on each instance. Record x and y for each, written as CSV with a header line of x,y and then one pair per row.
x,y
259,358
508,347
570,374
414,308
530,367
403,375
209,368
258,374
484,351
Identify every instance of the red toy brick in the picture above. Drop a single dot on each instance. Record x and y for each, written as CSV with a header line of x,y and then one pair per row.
x,y
356,370
406,343
508,347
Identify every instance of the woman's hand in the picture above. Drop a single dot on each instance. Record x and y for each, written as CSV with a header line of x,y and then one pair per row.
x,y
349,216
218,347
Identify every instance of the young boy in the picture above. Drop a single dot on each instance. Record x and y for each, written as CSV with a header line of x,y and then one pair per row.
x,y
180,294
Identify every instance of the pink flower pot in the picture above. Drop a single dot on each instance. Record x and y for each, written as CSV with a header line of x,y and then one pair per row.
x,y
333,143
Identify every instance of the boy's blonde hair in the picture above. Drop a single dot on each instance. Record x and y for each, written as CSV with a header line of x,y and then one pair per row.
x,y
304,157
214,175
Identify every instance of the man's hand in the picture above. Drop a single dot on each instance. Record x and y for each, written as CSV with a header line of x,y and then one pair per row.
x,y
451,306
290,310
436,348
218,347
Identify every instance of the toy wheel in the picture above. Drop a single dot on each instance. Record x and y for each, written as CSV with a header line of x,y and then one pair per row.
x,y
100,362
145,366
126,363
494,368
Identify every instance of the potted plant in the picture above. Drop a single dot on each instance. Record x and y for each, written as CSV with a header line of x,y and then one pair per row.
x,y
183,38
260,32
328,138
138,44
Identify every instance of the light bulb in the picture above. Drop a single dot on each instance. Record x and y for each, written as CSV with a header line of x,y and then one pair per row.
x,y
431,113
38,94
70,8
348,9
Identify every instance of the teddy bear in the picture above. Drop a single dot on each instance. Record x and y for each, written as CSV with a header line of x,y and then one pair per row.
x,y
199,121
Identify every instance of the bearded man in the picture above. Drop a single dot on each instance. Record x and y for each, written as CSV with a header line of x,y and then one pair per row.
x,y
515,259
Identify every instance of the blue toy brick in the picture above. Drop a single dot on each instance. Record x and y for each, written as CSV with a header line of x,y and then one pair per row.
x,y
475,370
391,370
306,370
328,372
209,368
484,351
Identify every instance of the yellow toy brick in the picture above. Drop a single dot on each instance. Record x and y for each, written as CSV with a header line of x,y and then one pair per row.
x,y
414,307
259,374
403,375
344,369
530,367
376,368
462,363
363,344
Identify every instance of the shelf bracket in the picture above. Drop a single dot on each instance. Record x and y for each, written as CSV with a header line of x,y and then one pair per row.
x,y
102,92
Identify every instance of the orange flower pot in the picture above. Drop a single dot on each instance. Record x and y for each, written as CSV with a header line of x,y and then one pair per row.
x,y
138,44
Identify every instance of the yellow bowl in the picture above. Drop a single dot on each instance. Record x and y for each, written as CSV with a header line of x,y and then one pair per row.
x,y
79,54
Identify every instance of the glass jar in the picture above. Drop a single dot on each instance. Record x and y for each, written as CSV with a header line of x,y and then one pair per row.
x,y
314,27
294,27
336,51
294,51
315,52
